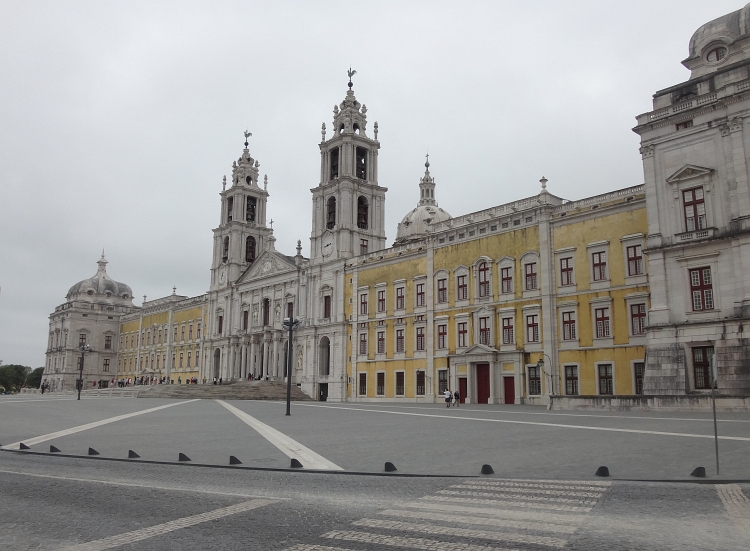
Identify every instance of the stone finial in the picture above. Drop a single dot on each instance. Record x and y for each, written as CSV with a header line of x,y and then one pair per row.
x,y
144,298
299,247
375,129
265,181
544,182
271,223
323,133
427,162
257,164
364,109
174,290
224,183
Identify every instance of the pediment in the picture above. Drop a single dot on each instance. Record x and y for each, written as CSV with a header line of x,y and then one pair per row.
x,y
689,171
269,263
479,349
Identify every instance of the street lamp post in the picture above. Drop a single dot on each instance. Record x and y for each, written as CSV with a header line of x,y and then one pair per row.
x,y
291,324
83,349
713,378
540,365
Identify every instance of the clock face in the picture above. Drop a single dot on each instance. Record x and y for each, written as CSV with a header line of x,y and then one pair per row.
x,y
222,275
327,244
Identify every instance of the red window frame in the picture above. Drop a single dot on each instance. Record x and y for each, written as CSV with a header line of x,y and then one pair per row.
x,y
327,306
442,290
400,377
508,336
420,294
701,289
484,331
442,336
363,303
198,331
420,383
599,263
638,318
569,326
420,338
189,358
363,245
462,288
363,384
363,344
381,300
605,373
399,298
635,260
506,280
381,342
694,207
530,271
566,271
603,329
484,280
462,333
532,328
571,380
399,340
380,384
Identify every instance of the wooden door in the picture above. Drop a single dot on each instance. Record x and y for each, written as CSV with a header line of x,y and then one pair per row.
x,y
509,390
483,383
462,390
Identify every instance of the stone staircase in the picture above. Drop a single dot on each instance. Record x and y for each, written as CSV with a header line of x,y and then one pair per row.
x,y
242,390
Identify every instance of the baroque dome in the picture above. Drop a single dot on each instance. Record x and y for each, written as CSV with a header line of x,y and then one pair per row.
x,y
101,284
725,29
417,222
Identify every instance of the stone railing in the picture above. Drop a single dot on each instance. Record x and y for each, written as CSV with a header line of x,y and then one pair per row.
x,y
599,199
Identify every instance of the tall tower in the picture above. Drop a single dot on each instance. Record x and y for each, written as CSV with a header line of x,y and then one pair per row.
x,y
348,204
242,233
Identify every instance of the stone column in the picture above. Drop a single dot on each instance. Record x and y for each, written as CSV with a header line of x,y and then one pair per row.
x,y
266,346
275,358
251,363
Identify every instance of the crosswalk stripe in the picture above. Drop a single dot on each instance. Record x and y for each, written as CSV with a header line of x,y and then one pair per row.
x,y
545,526
542,489
434,529
308,547
549,481
496,512
496,502
523,497
410,543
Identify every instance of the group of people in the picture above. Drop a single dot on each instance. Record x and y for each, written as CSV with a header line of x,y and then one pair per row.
x,y
452,398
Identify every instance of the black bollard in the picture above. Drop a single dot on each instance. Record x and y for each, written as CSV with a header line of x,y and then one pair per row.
x,y
296,464
602,471
234,461
183,457
390,467
487,469
132,455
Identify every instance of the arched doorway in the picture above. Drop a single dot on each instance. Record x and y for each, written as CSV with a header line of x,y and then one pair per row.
x,y
217,363
325,357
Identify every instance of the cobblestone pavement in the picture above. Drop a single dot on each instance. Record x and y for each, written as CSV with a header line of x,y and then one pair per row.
x,y
49,502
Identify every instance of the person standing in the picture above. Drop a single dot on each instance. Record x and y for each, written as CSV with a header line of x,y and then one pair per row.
x,y
448,397
456,397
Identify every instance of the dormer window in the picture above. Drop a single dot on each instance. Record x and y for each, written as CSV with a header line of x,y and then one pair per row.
x,y
716,55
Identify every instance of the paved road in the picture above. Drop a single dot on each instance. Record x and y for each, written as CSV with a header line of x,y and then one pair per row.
x,y
543,496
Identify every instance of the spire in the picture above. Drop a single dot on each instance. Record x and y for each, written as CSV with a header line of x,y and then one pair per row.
x,y
102,263
245,169
427,186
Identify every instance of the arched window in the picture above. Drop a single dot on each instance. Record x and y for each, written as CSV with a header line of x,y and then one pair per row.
x,y
250,212
266,311
250,249
335,162
484,280
230,208
249,181
325,357
331,216
363,211
360,169
225,253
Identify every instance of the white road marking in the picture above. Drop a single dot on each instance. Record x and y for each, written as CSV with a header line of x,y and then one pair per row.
x,y
541,485
545,526
308,547
161,529
539,491
515,496
410,543
508,503
436,530
291,448
498,512
737,505
87,426
559,425
71,398
148,486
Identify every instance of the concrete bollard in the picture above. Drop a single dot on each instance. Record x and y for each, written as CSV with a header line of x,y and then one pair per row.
x,y
390,467
699,472
487,469
296,464
234,461
183,457
602,471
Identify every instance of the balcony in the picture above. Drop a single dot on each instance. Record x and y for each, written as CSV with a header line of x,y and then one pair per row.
x,y
696,235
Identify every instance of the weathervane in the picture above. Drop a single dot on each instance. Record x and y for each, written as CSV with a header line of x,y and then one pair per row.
x,y
247,135
351,74
427,162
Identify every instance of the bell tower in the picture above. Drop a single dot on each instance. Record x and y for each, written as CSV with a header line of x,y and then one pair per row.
x,y
348,204
242,233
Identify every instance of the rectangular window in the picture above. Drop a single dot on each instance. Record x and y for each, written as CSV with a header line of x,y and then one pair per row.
x,y
566,271
363,344
363,303
107,342
380,386
327,307
400,383
530,270
399,340
635,260
535,381
506,280
508,336
606,385
363,246
182,333
462,332
484,331
420,294
484,280
701,289
638,369
638,318
602,322
381,342
442,380
81,339
198,331
190,356
462,288
220,324
420,338
175,334
532,328
695,209
599,261
181,358
442,290
244,319
105,367
442,337
420,383
381,300
571,380
363,384
569,326
290,310
702,356
190,331
399,298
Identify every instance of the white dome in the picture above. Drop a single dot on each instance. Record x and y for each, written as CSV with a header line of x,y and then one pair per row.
x,y
416,223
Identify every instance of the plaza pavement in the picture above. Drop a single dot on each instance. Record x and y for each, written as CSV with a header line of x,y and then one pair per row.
x,y
543,495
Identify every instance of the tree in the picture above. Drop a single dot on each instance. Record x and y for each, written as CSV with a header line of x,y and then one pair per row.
x,y
34,380
13,377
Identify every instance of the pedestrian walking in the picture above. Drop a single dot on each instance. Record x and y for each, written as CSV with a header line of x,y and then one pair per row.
x,y
448,397
456,397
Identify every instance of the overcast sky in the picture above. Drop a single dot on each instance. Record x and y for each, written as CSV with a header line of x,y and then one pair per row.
x,y
118,120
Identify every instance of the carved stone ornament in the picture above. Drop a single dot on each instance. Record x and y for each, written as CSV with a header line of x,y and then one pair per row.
x,y
735,124
266,268
724,130
647,150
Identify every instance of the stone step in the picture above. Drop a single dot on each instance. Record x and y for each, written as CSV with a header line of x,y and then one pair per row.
x,y
244,390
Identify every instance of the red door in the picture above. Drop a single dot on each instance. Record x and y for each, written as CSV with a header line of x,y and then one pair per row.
x,y
509,390
483,383
462,390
